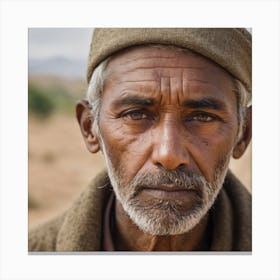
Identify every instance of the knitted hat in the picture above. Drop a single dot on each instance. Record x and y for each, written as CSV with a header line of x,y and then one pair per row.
x,y
231,48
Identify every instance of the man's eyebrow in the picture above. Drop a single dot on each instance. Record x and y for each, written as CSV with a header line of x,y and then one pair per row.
x,y
205,103
135,100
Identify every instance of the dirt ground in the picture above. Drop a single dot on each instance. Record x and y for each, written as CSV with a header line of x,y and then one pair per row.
x,y
60,166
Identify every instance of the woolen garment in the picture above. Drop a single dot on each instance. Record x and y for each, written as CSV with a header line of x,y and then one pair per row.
x,y
81,227
231,48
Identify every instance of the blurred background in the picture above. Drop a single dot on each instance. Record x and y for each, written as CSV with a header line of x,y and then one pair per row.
x,y
59,165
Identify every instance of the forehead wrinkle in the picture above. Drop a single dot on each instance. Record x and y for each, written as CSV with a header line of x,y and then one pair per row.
x,y
139,81
149,85
175,88
134,74
182,85
165,89
145,90
198,86
198,80
212,85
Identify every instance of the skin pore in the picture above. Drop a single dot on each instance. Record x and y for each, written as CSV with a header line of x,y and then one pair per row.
x,y
168,127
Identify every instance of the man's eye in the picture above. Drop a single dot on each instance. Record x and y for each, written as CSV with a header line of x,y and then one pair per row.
x,y
135,115
203,118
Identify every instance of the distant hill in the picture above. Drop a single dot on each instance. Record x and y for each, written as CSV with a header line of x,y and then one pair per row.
x,y
58,66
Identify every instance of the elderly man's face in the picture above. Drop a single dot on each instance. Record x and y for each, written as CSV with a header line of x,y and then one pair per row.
x,y
168,126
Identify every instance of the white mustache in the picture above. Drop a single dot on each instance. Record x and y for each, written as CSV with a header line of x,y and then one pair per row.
x,y
175,178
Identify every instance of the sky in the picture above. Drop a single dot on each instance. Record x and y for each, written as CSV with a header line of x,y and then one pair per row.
x,y
72,43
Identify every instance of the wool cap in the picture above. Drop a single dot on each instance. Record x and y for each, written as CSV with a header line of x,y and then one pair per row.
x,y
230,48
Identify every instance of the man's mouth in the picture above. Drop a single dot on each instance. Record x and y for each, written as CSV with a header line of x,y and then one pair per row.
x,y
169,192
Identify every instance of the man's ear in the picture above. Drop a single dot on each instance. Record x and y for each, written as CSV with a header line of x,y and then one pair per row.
x,y
246,136
85,120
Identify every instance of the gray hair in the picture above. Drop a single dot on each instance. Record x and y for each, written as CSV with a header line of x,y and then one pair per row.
x,y
99,76
243,103
95,89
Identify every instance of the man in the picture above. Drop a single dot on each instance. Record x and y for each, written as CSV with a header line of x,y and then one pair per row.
x,y
167,108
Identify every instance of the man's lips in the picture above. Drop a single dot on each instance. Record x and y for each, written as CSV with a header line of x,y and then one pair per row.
x,y
169,192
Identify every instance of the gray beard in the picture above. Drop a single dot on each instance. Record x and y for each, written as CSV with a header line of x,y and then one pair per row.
x,y
165,217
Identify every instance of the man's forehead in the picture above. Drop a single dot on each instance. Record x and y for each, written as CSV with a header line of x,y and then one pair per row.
x,y
137,77
147,66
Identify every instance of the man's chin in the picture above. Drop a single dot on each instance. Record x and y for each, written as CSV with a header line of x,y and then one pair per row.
x,y
166,219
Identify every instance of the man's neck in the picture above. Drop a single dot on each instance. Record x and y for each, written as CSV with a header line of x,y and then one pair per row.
x,y
128,237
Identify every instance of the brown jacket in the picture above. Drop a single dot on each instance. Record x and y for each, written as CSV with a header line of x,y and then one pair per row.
x,y
80,227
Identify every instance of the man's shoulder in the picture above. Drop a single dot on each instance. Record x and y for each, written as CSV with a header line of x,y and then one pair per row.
x,y
237,190
241,203
43,237
81,223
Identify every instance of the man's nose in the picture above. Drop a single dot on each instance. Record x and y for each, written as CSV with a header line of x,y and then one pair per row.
x,y
169,147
